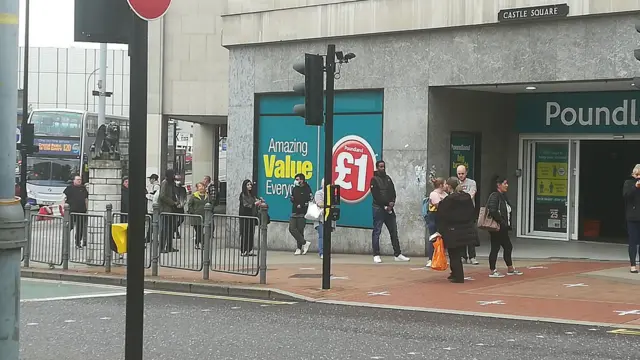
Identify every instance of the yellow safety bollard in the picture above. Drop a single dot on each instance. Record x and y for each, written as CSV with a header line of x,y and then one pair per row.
x,y
119,235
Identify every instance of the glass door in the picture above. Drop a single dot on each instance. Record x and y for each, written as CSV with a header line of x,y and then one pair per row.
x,y
549,189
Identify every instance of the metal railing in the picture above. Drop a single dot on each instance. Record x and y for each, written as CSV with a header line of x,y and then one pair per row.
x,y
121,259
213,242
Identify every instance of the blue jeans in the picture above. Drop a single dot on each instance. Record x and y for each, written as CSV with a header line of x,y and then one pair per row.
x,y
380,217
431,226
320,229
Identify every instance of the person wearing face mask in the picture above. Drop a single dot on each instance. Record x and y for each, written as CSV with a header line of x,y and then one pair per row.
x,y
301,195
167,201
181,199
153,190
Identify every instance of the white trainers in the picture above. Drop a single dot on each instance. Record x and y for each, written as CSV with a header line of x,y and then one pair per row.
x,y
298,252
428,264
402,258
305,247
474,261
377,259
495,274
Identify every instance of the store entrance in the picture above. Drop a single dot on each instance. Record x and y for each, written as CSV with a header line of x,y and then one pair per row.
x,y
604,166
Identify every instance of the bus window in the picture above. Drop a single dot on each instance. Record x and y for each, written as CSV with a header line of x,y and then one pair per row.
x,y
57,123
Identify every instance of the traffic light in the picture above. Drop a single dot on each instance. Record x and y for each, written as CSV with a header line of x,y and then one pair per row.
x,y
313,90
28,136
335,195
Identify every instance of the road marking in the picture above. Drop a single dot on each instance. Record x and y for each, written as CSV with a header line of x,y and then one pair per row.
x,y
536,267
576,285
480,344
339,278
69,321
420,268
75,297
540,336
494,302
448,348
235,307
511,340
174,312
309,269
32,324
625,332
469,278
569,333
381,293
221,297
105,318
205,310
630,312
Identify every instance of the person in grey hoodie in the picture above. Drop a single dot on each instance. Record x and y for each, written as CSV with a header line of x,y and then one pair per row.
x,y
318,198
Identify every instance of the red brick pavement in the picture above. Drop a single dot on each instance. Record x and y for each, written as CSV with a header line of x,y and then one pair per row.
x,y
542,292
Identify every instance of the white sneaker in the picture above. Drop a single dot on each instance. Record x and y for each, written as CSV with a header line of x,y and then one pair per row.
x,y
321,257
298,252
402,258
428,264
474,261
377,259
305,247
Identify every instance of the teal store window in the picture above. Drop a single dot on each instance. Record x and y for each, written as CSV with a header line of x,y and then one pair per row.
x,y
286,147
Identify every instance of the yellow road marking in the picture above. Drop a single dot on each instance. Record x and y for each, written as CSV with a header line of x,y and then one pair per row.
x,y
625,332
8,19
221,297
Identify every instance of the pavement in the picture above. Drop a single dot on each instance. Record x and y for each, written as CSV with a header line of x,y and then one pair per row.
x,y
82,321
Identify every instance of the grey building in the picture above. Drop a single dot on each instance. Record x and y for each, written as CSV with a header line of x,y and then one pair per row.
x,y
546,101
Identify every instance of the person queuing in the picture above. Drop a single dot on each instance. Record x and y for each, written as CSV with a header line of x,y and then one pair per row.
x,y
435,197
196,206
301,195
469,186
384,201
456,222
248,210
631,195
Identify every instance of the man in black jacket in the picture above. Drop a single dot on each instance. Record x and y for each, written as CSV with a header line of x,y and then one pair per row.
x,y
301,195
384,200
124,200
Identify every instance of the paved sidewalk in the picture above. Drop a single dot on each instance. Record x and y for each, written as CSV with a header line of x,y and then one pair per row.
x,y
569,291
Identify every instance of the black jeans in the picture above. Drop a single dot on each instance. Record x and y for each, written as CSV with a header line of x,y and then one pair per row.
x,y
247,232
198,231
380,217
500,239
633,228
79,224
297,224
166,234
455,261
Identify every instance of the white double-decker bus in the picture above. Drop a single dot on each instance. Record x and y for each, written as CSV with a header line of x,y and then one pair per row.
x,y
63,137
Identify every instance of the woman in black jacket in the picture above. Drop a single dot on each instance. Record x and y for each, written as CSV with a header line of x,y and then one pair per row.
x,y
500,210
456,222
248,210
631,194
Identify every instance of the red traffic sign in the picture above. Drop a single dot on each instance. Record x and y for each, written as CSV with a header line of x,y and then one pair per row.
x,y
149,9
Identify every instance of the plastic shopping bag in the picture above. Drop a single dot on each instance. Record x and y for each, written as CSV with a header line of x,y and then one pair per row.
x,y
313,212
439,261
119,238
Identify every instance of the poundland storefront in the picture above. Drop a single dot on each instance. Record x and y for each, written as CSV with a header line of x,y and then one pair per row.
x,y
575,151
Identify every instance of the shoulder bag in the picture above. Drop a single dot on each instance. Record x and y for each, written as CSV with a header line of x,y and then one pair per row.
x,y
485,221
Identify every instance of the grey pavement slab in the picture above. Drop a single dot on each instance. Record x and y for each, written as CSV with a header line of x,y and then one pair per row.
x,y
186,327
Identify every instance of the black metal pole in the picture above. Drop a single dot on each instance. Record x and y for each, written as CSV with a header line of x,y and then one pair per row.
x,y
330,65
25,108
138,203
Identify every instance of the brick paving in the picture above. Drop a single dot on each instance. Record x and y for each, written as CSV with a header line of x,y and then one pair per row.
x,y
548,289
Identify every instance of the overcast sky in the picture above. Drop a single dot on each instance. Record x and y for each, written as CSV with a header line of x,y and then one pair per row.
x,y
52,25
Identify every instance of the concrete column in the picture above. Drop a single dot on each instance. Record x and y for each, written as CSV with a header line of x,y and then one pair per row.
x,y
154,144
203,141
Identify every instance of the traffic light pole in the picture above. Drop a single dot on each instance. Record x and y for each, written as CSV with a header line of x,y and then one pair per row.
x,y
330,69
25,109
12,231
133,348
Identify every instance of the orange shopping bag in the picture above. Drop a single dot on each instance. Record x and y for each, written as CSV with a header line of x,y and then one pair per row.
x,y
439,261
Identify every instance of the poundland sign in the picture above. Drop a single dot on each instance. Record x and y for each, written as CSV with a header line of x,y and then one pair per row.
x,y
596,112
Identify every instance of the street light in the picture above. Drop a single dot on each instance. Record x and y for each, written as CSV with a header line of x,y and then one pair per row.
x,y
86,99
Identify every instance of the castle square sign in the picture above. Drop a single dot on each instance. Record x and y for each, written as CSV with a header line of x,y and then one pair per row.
x,y
534,13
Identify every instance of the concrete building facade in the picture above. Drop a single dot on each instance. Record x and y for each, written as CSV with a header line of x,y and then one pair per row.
x,y
441,72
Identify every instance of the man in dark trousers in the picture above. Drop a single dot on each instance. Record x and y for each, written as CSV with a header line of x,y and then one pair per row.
x,y
384,200
77,196
301,195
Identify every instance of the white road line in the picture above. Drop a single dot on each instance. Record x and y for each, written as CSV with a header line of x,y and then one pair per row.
x,y
72,283
75,297
221,297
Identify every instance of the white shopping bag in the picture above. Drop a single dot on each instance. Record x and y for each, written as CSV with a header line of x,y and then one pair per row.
x,y
313,212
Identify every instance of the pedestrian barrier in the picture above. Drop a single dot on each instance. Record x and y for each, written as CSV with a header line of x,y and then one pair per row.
x,y
181,241
220,243
121,259
87,234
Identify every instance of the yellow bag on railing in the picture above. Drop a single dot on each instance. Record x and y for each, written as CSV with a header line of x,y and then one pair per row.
x,y
119,237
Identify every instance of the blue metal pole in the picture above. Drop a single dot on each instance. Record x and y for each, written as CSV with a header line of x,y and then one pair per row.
x,y
12,231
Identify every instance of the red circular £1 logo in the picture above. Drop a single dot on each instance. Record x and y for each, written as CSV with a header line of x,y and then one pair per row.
x,y
354,162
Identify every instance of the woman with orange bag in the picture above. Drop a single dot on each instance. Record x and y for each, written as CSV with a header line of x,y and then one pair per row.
x,y
456,222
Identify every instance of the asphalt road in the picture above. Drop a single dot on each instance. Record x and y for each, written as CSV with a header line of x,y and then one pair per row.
x,y
185,328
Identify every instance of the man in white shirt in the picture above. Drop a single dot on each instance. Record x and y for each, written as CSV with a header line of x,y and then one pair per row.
x,y
469,186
